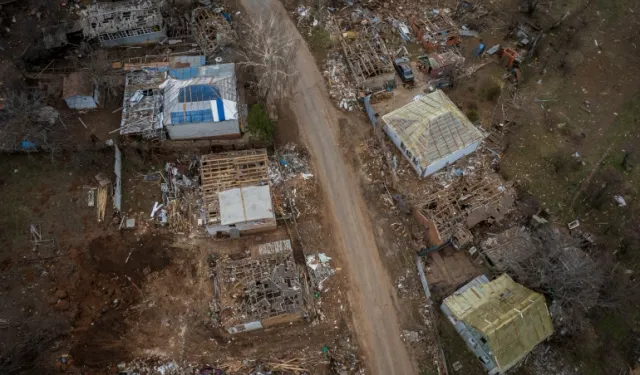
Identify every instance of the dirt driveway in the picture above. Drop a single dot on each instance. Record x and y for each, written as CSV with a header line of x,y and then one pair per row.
x,y
372,295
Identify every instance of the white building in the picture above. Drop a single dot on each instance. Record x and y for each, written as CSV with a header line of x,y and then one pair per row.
x,y
432,132
205,106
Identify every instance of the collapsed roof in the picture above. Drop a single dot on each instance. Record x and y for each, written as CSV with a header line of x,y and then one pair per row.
x,y
431,128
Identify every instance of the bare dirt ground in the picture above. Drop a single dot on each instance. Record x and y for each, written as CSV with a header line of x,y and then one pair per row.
x,y
371,294
137,296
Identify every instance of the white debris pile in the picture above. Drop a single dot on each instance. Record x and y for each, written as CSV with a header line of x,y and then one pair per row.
x,y
320,267
154,367
290,163
341,87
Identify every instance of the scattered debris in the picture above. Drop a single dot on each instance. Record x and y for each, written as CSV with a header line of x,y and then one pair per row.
x,y
620,200
320,269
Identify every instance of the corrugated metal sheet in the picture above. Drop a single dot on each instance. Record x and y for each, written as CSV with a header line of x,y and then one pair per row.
x,y
274,247
514,319
245,204
185,67
117,170
431,128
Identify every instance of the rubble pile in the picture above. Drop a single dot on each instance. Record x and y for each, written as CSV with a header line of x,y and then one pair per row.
x,y
343,359
320,267
252,289
341,88
287,164
180,199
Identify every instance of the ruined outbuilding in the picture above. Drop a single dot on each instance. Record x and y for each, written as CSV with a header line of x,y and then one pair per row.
x,y
124,23
80,91
142,104
211,30
431,132
260,290
369,64
508,249
236,193
463,204
501,321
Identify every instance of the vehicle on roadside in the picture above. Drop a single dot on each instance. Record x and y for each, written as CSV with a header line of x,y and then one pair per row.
x,y
404,69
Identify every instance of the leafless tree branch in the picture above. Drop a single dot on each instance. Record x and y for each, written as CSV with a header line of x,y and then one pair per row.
x,y
268,53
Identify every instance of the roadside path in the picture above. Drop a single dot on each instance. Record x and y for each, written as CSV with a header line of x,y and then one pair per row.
x,y
371,290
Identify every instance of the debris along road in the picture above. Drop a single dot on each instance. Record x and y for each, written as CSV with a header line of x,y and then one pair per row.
x,y
371,293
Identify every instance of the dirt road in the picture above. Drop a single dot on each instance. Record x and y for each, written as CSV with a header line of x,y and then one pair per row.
x,y
372,294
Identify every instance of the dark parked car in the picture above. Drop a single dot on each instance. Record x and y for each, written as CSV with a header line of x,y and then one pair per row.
x,y
404,69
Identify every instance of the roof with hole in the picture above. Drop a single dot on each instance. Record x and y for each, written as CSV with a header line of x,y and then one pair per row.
x,y
210,96
514,319
432,127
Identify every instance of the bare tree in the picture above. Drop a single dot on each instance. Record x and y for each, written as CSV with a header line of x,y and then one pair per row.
x,y
268,52
25,122
557,267
99,66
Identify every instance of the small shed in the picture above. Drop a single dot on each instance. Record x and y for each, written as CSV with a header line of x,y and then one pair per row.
x,y
431,132
80,91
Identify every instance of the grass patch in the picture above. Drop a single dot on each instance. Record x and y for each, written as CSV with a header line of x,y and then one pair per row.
x,y
491,90
472,115
259,123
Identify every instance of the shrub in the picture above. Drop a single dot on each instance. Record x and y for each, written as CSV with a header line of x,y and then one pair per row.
x,y
472,115
493,92
259,123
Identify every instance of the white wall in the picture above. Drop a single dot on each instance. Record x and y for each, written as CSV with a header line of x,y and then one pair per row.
x,y
204,130
396,141
435,166
449,159
81,102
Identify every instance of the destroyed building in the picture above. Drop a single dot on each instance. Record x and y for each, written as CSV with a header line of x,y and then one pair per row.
x,y
236,193
80,91
369,64
442,67
431,132
436,33
508,249
124,23
178,67
204,106
211,30
466,202
260,290
501,321
142,104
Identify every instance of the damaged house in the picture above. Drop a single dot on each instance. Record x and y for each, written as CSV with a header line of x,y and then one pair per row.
x,y
431,132
501,321
261,290
204,106
236,193
124,23
182,98
142,104
448,214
